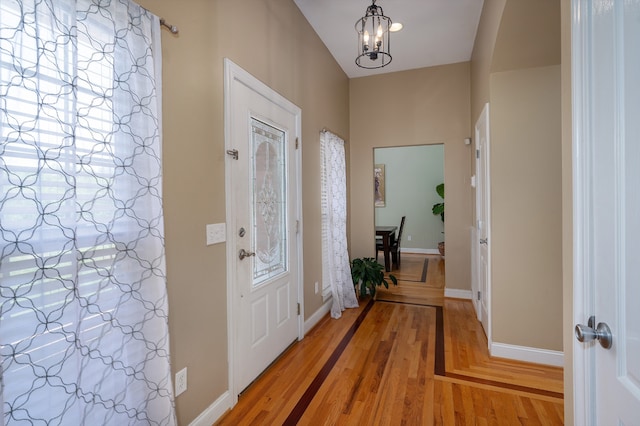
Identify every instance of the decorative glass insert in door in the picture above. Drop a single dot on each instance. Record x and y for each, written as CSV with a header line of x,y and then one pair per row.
x,y
269,215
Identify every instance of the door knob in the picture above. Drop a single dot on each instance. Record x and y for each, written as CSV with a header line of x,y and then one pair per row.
x,y
244,254
483,241
602,333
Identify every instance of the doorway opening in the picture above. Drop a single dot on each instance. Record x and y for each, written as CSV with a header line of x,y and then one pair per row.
x,y
407,180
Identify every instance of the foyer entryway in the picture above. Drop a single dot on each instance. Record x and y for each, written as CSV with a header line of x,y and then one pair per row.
x,y
401,362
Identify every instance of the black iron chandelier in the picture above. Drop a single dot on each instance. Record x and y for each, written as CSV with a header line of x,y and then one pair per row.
x,y
373,38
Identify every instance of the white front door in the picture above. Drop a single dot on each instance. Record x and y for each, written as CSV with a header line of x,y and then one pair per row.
x,y
483,293
606,158
263,223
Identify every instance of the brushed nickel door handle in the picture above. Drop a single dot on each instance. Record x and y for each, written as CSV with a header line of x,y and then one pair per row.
x,y
602,333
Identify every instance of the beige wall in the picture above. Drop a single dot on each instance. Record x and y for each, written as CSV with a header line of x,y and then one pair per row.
x,y
515,66
512,34
282,50
482,55
529,35
526,202
423,106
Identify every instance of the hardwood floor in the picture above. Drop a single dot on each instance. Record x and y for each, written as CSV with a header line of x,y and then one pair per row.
x,y
407,359
420,281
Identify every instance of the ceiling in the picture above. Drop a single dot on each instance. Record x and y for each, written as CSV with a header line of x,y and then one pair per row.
x,y
435,32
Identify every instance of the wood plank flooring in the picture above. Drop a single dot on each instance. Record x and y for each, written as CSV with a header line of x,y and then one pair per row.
x,y
402,360
420,281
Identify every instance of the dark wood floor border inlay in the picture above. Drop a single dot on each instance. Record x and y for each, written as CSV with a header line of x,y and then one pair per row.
x,y
439,365
439,368
503,385
311,391
423,279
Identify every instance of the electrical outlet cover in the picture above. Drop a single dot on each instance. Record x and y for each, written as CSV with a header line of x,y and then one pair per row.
x,y
181,381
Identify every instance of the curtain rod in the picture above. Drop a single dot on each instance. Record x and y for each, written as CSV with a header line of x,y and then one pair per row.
x,y
172,28
325,130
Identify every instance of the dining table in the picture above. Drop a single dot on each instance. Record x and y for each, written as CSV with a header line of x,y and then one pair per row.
x,y
388,235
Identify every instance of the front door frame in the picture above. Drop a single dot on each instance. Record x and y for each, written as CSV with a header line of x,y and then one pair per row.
x,y
233,72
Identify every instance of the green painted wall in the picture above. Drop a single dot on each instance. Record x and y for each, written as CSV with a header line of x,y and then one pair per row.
x,y
411,176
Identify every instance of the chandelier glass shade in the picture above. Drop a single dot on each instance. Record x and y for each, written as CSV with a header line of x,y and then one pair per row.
x,y
373,38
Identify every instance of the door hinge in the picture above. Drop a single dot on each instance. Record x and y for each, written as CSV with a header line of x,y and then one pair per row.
x,y
477,153
297,143
298,309
233,153
478,295
297,226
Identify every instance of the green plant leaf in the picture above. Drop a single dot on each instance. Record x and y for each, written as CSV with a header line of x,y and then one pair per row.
x,y
367,274
438,208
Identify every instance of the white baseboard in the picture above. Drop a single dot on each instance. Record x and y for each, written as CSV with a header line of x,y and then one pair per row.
x,y
213,413
419,250
455,293
526,354
317,316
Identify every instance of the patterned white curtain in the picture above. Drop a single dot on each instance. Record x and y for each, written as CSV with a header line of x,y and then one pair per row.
x,y
335,257
83,304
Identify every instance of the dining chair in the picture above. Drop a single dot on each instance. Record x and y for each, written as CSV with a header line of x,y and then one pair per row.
x,y
394,247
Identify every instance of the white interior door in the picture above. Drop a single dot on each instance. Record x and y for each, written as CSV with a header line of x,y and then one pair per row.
x,y
482,295
606,156
264,214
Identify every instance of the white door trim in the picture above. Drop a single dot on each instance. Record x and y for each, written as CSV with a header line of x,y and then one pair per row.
x,y
583,361
233,72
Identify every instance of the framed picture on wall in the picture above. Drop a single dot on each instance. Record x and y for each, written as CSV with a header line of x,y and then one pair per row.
x,y
378,182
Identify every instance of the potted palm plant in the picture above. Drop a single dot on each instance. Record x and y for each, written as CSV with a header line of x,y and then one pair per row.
x,y
367,275
438,209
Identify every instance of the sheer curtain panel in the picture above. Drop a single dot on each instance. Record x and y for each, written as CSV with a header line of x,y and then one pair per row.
x,y
83,304
336,270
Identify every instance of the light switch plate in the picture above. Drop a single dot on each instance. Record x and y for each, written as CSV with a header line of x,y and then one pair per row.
x,y
216,233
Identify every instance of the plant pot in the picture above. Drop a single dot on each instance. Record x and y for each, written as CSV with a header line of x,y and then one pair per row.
x,y
441,248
